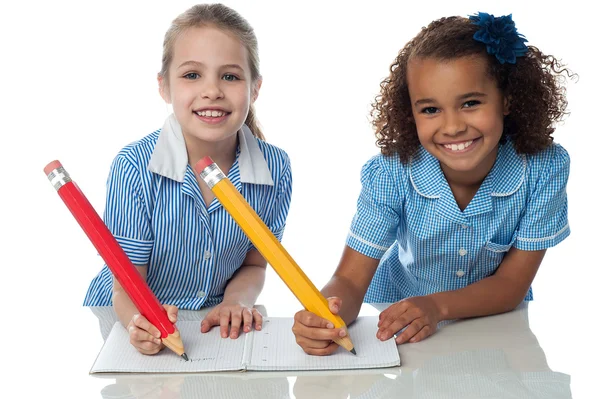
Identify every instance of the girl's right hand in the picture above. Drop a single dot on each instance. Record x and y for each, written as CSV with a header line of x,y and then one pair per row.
x,y
314,334
144,336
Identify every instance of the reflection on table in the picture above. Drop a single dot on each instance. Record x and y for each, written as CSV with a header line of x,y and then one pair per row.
x,y
490,357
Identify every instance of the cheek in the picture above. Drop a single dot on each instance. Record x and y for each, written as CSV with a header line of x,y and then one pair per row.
x,y
426,127
490,123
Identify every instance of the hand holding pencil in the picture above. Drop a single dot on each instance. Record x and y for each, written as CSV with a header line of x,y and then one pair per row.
x,y
270,248
117,261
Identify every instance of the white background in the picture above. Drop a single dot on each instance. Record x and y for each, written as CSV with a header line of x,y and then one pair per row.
x,y
79,83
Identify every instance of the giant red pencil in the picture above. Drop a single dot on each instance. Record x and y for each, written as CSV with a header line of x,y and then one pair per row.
x,y
114,256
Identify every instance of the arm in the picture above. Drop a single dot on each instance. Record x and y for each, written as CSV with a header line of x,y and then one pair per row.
x,y
142,334
347,287
499,293
247,283
124,307
350,282
239,297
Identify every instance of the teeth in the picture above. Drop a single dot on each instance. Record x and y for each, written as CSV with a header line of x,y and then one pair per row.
x,y
210,113
458,147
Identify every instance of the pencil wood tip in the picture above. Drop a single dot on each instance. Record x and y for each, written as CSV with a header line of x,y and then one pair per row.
x,y
353,351
184,356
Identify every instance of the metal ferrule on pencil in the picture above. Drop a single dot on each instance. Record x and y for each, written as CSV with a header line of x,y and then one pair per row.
x,y
212,175
59,177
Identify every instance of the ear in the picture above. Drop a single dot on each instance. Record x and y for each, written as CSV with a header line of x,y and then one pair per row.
x,y
163,88
255,89
507,102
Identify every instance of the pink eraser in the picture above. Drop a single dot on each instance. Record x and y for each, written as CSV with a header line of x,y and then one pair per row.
x,y
51,166
203,164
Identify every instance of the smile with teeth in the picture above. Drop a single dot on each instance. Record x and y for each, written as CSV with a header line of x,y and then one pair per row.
x,y
458,147
210,113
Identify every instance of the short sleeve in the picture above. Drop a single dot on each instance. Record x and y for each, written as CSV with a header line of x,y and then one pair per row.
x,y
125,214
375,223
545,222
279,211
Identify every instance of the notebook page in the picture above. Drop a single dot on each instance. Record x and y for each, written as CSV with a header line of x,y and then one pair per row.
x,y
275,348
206,352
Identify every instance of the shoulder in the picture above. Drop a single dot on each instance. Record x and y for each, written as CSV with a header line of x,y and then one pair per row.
x,y
549,161
384,167
383,175
134,157
277,159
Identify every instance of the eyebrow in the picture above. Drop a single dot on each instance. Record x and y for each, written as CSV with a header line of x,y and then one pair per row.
x,y
199,64
472,94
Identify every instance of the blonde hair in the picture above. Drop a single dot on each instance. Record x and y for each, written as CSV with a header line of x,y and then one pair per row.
x,y
224,18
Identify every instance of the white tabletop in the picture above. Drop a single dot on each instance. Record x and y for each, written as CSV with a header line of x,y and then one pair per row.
x,y
501,356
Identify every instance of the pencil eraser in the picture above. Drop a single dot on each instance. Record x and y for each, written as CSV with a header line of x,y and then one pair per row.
x,y
203,164
52,166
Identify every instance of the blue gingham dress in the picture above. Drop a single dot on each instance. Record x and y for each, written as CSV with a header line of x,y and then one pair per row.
x,y
408,217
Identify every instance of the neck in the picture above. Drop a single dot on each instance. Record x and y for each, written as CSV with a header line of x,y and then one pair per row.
x,y
221,152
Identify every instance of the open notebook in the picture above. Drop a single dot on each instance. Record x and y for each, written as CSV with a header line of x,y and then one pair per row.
x,y
273,348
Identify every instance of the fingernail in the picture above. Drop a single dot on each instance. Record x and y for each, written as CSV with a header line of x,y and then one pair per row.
x,y
335,308
135,317
342,333
131,328
258,328
224,335
157,335
329,325
157,341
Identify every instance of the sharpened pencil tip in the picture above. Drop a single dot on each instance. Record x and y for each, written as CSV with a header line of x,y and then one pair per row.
x,y
353,351
185,357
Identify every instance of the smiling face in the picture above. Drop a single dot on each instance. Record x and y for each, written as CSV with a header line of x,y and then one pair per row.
x,y
459,112
209,84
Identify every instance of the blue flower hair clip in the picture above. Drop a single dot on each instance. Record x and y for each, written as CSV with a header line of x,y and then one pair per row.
x,y
500,36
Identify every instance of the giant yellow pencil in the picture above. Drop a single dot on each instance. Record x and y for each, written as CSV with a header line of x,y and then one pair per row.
x,y
269,246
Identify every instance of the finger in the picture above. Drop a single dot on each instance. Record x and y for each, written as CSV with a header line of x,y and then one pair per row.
x,y
328,350
402,322
143,324
148,348
421,335
172,312
393,322
211,319
410,331
224,318
309,319
247,319
391,313
318,333
258,319
138,337
236,321
335,304
305,342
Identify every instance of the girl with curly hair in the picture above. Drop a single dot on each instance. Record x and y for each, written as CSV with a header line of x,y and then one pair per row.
x,y
456,213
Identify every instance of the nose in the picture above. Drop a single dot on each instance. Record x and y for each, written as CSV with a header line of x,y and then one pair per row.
x,y
211,89
453,123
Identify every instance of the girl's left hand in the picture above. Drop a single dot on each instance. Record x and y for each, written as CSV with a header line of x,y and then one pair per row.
x,y
235,314
420,316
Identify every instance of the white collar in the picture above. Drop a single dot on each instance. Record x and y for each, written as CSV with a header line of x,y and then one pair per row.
x,y
170,159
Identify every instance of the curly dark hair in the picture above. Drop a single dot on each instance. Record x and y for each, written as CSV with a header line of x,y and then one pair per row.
x,y
534,86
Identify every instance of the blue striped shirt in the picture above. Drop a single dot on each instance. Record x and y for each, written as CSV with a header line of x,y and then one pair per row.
x,y
407,216
155,210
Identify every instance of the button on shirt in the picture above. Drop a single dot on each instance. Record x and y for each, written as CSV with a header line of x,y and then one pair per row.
x,y
407,216
156,211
